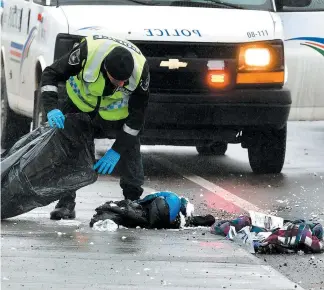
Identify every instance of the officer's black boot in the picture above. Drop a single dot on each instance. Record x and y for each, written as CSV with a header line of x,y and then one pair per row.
x,y
65,207
132,193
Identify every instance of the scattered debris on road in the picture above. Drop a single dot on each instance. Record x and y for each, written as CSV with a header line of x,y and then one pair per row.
x,y
296,236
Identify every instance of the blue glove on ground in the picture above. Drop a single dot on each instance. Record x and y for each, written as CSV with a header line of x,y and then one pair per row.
x,y
56,118
108,162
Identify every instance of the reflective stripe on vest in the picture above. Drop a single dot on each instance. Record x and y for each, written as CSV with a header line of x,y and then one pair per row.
x,y
116,105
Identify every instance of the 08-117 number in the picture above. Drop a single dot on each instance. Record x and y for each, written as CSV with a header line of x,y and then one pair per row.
x,y
252,34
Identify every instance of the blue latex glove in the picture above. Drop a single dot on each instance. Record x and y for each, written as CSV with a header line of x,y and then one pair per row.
x,y
56,118
108,162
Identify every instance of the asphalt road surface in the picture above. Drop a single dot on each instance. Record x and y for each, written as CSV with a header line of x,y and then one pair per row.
x,y
41,254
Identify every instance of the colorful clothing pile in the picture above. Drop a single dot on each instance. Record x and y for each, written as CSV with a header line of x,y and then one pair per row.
x,y
294,236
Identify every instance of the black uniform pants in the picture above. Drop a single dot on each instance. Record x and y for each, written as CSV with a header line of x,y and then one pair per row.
x,y
129,167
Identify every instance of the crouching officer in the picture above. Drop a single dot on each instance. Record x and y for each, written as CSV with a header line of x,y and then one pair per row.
x,y
109,79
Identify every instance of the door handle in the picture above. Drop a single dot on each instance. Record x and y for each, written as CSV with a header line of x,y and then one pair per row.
x,y
28,21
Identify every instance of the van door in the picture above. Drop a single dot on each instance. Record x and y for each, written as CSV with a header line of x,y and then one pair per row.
x,y
304,49
28,62
15,42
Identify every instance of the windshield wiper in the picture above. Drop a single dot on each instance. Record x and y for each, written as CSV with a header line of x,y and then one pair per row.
x,y
150,3
229,5
216,3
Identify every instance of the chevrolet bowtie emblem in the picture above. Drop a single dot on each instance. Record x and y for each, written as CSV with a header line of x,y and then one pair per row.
x,y
173,64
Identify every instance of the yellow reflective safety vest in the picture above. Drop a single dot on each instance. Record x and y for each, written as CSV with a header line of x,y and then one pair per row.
x,y
85,88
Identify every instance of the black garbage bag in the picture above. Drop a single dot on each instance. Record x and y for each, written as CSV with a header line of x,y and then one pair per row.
x,y
46,163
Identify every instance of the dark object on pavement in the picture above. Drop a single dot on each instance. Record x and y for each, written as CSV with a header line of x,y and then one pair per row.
x,y
153,213
46,163
131,214
202,221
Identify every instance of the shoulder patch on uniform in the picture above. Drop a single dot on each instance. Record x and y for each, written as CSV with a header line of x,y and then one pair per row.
x,y
145,84
75,57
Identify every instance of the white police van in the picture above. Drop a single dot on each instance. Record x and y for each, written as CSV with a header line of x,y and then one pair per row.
x,y
218,68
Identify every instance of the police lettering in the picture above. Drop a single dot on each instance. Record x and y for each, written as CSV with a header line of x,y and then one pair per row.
x,y
125,43
172,32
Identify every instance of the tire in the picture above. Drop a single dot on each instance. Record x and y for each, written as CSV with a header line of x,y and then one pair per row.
x,y
39,116
267,155
13,126
216,149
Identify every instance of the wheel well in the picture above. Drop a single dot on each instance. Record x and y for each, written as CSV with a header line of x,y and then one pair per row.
x,y
2,62
38,75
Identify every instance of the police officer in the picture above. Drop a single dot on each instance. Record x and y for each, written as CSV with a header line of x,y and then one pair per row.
x,y
107,78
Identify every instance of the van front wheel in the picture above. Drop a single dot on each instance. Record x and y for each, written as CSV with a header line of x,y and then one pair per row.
x,y
13,126
267,154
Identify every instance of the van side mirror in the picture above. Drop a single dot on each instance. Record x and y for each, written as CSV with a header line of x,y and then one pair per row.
x,y
295,3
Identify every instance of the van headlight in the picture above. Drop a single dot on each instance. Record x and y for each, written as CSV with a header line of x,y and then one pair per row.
x,y
261,63
257,57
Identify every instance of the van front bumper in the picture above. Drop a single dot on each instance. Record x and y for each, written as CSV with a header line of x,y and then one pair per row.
x,y
173,119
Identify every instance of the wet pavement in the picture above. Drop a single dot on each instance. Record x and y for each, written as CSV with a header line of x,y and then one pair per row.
x,y
39,253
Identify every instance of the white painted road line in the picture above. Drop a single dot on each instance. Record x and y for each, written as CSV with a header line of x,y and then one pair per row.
x,y
215,189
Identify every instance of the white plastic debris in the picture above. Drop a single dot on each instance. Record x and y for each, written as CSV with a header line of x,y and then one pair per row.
x,y
245,238
201,195
123,238
5,278
313,257
268,222
105,226
59,234
91,243
182,221
190,209
147,269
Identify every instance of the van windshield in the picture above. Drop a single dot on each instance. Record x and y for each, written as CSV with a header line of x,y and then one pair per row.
x,y
230,4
